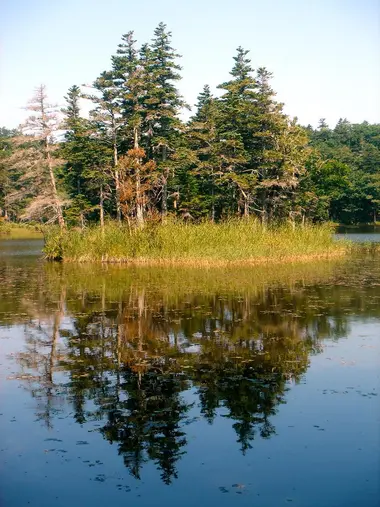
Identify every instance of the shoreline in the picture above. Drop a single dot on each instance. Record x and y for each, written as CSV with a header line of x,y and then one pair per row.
x,y
260,261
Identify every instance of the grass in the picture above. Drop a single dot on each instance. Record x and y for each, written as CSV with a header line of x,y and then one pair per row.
x,y
11,230
177,243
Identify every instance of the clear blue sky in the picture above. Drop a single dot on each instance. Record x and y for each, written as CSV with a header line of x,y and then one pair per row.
x,y
324,53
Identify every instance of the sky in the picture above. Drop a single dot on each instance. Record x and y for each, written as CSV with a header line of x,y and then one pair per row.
x,y
325,54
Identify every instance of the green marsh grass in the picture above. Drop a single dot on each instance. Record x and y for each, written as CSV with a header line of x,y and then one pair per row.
x,y
231,242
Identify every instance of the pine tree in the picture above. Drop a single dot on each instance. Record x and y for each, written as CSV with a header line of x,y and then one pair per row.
x,y
162,104
236,127
72,110
128,77
99,174
74,150
89,151
202,138
7,179
279,148
108,121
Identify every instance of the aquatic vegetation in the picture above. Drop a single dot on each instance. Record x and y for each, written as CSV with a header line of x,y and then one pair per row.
x,y
233,241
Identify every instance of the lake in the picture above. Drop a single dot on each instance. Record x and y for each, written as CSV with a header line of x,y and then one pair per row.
x,y
359,234
228,387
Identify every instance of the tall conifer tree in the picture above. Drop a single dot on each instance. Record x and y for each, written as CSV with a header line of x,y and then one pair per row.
x,y
204,144
279,152
237,123
163,103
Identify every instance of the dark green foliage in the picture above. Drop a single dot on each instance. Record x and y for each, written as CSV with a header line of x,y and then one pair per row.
x,y
87,171
347,173
6,149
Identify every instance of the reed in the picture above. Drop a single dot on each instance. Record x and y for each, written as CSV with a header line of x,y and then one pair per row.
x,y
173,242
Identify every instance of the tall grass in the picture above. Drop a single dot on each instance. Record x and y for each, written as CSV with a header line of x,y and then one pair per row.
x,y
4,228
234,241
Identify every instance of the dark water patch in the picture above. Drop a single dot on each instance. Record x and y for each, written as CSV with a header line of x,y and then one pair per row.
x,y
359,234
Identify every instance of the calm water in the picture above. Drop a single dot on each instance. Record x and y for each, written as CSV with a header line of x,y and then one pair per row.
x,y
360,234
169,387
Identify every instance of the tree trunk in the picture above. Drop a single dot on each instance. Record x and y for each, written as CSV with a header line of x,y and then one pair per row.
x,y
57,204
81,216
244,196
164,208
246,205
139,203
101,207
264,217
212,198
264,213
116,178
164,203
292,219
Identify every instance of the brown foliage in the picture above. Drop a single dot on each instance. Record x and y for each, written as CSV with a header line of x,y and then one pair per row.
x,y
138,178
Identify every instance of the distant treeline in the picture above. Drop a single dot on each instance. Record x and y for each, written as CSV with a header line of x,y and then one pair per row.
x,y
135,159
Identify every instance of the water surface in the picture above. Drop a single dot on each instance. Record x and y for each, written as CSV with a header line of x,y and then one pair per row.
x,y
359,233
171,387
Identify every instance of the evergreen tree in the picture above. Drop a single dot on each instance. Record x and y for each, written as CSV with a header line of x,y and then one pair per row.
x,y
74,151
7,180
237,123
271,124
107,122
131,76
203,141
162,104
88,172
128,77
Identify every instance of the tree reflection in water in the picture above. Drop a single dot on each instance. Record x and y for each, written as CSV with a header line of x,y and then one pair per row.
x,y
141,357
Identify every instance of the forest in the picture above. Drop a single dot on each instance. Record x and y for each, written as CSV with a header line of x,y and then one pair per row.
x,y
135,158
